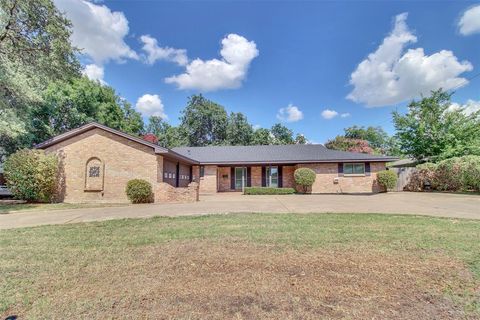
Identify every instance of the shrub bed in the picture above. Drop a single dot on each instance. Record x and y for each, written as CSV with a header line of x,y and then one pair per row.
x,y
425,174
139,191
454,174
387,179
32,175
448,175
268,190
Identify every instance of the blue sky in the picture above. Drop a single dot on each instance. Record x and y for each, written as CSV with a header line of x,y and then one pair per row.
x,y
310,55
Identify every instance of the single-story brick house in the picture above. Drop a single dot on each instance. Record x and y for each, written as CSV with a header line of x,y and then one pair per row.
x,y
98,161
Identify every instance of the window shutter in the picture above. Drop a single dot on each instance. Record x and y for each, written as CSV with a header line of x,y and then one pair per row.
x,y
340,169
232,178
280,176
367,168
177,175
249,176
264,176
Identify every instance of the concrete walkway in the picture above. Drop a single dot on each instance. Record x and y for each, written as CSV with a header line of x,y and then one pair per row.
x,y
432,204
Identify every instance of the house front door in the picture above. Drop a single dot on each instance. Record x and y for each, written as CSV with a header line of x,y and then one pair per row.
x,y
240,178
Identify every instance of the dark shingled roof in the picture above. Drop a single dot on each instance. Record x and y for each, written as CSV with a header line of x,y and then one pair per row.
x,y
296,153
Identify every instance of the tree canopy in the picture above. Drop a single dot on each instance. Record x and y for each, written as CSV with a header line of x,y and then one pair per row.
x,y
349,144
204,121
432,129
35,49
239,131
67,105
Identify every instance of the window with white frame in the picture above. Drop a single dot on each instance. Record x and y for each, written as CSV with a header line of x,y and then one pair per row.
x,y
353,169
272,176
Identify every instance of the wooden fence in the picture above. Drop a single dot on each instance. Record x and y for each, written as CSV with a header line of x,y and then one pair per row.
x,y
403,175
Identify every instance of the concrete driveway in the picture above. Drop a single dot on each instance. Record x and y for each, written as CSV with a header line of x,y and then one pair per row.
x,y
432,204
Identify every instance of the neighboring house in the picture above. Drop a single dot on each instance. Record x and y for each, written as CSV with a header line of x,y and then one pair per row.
x,y
97,162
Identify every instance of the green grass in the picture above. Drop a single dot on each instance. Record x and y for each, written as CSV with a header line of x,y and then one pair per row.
x,y
268,191
30,252
8,208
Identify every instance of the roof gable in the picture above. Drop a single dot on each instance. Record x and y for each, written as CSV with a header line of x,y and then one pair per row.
x,y
95,125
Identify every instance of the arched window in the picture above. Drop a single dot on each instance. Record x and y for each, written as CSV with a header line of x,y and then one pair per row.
x,y
94,172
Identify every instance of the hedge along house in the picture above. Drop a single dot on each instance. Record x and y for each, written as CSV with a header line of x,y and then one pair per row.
x,y
97,162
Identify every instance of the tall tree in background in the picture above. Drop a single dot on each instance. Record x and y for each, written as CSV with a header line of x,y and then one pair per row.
x,y
348,144
281,134
262,136
67,105
239,131
34,50
376,136
300,139
168,136
433,130
204,122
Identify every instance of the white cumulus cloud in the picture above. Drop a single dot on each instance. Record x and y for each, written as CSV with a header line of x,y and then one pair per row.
x,y
390,75
468,108
154,52
225,73
469,23
94,72
151,105
97,30
290,113
329,114
345,115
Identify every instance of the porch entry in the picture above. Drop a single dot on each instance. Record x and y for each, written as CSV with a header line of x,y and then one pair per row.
x,y
240,178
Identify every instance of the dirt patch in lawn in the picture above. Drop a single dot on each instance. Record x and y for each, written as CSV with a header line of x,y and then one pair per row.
x,y
240,280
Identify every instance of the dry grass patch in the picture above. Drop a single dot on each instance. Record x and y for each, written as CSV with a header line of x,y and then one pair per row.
x,y
237,279
246,266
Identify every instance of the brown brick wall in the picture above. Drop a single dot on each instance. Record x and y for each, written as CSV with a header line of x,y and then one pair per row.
x,y
327,172
224,184
256,176
288,180
164,192
120,159
208,183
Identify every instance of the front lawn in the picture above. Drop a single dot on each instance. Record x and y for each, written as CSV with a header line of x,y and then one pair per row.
x,y
245,266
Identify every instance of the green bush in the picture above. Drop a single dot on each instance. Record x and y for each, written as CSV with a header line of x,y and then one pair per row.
x,y
387,179
32,175
470,173
454,174
304,177
268,190
139,191
448,175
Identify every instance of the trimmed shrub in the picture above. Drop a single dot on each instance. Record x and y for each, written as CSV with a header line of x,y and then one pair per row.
x,y
304,177
387,179
267,190
32,175
425,174
139,191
